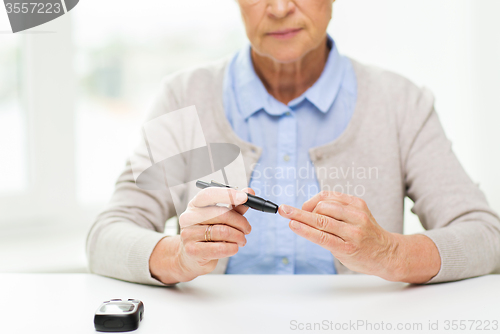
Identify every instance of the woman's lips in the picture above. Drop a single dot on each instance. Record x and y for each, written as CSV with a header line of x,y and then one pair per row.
x,y
285,33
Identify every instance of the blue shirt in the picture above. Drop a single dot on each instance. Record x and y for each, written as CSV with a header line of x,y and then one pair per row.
x,y
284,173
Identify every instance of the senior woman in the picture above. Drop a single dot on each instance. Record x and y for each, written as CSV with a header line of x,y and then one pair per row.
x,y
289,100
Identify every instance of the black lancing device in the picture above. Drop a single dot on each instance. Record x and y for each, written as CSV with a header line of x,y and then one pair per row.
x,y
253,201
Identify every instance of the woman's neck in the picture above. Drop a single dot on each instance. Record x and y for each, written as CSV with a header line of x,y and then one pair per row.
x,y
288,81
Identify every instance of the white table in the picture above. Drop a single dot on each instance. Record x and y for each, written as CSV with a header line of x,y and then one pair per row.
x,y
65,303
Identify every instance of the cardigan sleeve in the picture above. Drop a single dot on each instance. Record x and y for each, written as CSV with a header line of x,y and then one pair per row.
x,y
450,206
121,241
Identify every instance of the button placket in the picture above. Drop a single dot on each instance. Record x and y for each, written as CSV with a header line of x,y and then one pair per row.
x,y
287,147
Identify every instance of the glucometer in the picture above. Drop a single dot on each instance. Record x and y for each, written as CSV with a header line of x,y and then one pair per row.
x,y
253,201
117,315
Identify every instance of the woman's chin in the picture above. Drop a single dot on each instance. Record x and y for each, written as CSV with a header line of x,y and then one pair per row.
x,y
284,51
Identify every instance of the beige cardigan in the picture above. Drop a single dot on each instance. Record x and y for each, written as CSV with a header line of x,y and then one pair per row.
x,y
394,130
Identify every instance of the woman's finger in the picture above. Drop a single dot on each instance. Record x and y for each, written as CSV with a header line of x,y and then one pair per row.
x,y
341,212
315,220
207,251
346,199
213,215
242,209
217,233
326,240
217,195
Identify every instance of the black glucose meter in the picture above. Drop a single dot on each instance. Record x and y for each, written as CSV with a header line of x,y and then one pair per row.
x,y
119,315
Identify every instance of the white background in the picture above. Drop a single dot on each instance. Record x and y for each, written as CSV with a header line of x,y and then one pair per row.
x,y
83,82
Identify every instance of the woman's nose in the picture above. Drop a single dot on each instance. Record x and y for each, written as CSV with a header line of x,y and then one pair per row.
x,y
280,8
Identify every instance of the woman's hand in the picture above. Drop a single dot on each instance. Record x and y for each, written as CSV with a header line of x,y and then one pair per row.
x,y
184,257
344,225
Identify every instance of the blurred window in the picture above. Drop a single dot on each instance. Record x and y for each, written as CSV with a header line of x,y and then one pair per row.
x,y
120,63
13,162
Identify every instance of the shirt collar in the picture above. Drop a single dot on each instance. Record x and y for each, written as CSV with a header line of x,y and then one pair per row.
x,y
252,96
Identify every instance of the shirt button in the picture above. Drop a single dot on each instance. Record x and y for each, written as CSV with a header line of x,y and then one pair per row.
x,y
286,157
284,260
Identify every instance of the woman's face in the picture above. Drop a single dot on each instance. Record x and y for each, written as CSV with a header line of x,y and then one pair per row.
x,y
285,30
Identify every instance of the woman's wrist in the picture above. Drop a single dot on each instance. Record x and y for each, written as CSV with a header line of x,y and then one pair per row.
x,y
416,259
164,263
